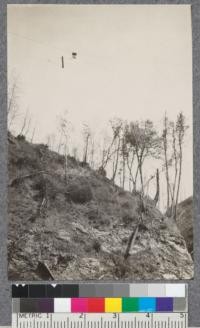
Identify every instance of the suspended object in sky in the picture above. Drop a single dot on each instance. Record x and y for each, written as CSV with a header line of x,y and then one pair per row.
x,y
62,62
74,55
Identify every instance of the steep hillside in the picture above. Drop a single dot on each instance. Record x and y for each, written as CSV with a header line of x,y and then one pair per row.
x,y
185,222
77,225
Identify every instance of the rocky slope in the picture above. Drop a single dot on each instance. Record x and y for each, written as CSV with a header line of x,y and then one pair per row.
x,y
77,225
185,222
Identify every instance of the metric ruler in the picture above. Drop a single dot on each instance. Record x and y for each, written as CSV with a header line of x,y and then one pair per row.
x,y
97,320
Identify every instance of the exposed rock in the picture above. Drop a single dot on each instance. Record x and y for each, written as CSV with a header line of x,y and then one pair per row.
x,y
185,222
85,224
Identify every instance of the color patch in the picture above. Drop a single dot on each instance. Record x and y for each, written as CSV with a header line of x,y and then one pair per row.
x,y
130,304
96,305
156,290
35,305
180,304
87,290
37,291
62,305
175,290
164,304
104,290
138,290
54,290
79,305
113,305
46,305
29,305
15,305
70,290
147,304
120,290
19,291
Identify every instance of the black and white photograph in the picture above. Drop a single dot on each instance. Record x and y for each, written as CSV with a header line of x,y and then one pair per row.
x,y
100,142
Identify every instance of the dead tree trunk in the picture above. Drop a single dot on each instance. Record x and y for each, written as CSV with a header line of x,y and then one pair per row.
x,y
140,163
179,178
116,162
141,178
156,198
86,149
123,173
134,234
165,147
176,172
65,164
131,241
130,167
166,172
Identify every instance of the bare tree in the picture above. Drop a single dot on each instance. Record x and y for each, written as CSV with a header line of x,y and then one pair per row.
x,y
51,141
33,134
64,130
92,153
124,156
116,159
113,147
129,162
26,123
60,141
102,146
86,137
12,106
165,136
156,198
75,153
175,165
144,139
181,128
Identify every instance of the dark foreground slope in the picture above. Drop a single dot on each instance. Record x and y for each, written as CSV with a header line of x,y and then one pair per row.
x,y
78,227
185,222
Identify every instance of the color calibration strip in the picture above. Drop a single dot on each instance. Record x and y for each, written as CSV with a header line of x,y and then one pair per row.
x,y
98,305
99,298
98,290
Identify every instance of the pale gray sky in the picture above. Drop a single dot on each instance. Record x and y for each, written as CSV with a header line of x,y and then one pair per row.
x,y
133,62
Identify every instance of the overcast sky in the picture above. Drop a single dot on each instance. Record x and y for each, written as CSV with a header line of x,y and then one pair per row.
x,y
133,62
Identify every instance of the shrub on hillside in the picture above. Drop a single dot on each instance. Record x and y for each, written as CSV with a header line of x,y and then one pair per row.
x,y
93,213
79,191
96,245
